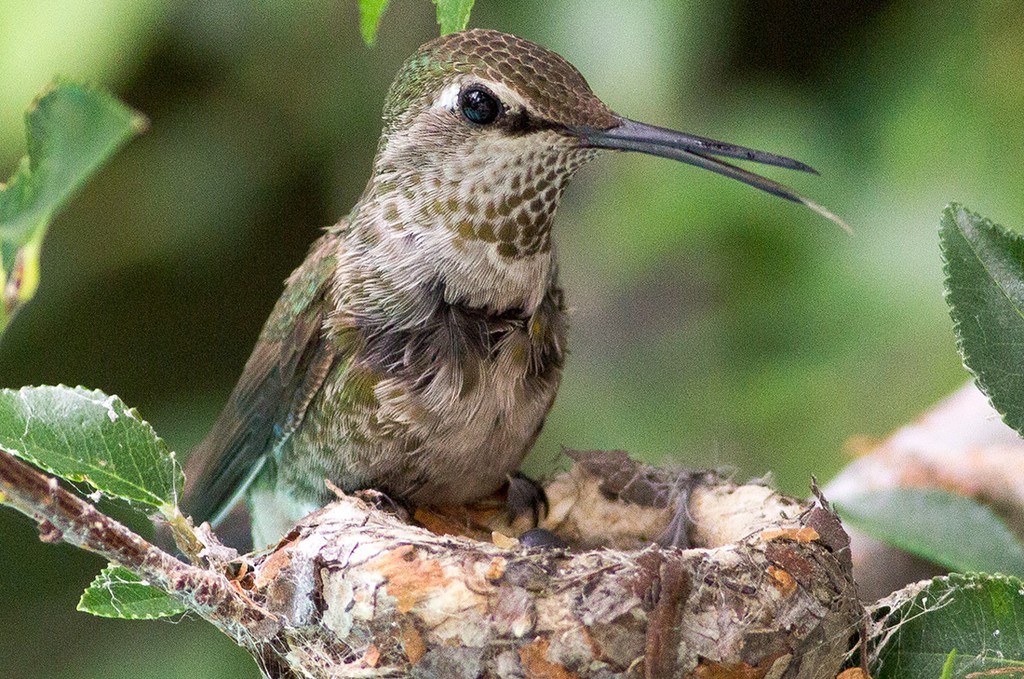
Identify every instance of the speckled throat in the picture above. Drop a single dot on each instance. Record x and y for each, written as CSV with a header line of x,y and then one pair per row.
x,y
476,213
488,190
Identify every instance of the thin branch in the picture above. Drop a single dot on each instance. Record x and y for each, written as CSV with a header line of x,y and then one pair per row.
x,y
64,517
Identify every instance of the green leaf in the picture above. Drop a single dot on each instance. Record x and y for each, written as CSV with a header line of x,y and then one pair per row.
x,y
72,130
948,529
984,266
947,667
83,435
916,630
453,15
370,12
118,593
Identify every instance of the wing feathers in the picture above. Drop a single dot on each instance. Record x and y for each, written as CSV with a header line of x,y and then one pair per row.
x,y
286,369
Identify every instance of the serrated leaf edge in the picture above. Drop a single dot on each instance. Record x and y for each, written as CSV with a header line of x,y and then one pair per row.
x,y
101,581
951,211
164,506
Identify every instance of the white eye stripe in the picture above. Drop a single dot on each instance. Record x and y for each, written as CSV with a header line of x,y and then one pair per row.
x,y
448,98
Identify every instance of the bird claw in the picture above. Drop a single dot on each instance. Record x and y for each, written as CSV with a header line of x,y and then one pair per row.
x,y
525,497
542,538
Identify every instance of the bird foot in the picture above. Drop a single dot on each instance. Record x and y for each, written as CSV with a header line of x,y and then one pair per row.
x,y
542,538
525,497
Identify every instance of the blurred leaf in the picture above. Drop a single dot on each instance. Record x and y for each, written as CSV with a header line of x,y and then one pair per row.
x,y
83,435
118,593
947,667
453,15
980,617
370,12
72,130
945,528
984,267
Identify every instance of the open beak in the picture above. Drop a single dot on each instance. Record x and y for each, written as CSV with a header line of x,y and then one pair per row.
x,y
630,135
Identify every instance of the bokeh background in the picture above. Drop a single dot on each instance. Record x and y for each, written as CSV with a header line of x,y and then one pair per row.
x,y
713,325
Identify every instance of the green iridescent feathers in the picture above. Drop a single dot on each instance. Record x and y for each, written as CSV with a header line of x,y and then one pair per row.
x,y
287,367
556,90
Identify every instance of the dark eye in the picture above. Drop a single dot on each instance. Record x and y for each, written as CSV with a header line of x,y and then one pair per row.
x,y
479,106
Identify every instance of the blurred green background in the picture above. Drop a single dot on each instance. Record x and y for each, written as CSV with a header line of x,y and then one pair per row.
x,y
713,324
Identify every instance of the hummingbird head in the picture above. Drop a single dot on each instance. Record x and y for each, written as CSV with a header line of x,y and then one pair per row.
x,y
482,132
476,132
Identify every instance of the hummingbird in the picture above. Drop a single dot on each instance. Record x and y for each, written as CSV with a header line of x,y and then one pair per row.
x,y
418,348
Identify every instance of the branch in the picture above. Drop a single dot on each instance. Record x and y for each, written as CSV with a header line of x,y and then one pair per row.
x,y
960,445
64,517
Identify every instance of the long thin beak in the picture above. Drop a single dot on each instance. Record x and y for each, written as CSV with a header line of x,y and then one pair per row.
x,y
630,135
